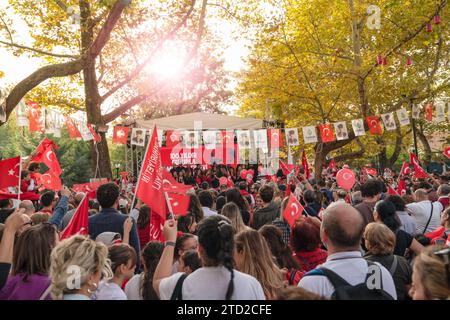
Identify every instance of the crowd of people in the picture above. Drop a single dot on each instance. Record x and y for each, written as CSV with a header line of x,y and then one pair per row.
x,y
363,243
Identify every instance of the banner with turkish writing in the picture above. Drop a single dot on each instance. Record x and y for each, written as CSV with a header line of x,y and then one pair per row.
x,y
201,155
150,183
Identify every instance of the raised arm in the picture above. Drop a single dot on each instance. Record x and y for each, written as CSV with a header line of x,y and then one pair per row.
x,y
164,268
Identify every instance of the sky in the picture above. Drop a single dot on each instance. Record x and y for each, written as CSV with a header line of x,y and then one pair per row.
x,y
17,68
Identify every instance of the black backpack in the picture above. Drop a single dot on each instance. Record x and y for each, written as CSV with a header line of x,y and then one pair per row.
x,y
345,291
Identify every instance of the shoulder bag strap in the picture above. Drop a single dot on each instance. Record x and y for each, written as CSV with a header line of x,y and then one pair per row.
x,y
177,292
429,219
334,278
45,293
393,266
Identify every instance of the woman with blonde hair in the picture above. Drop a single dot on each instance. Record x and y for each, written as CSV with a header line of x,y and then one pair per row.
x,y
253,257
232,212
380,243
77,265
431,275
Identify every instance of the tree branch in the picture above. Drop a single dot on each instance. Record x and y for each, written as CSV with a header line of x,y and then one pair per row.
x,y
123,108
410,36
40,75
105,31
57,55
352,155
140,67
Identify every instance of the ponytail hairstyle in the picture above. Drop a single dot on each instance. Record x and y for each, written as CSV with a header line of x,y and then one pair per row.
x,y
120,254
151,254
192,260
387,213
216,236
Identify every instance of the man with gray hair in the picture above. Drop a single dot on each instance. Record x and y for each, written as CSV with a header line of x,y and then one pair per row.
x,y
28,206
426,213
341,232
68,216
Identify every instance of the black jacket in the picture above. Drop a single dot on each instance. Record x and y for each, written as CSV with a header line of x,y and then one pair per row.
x,y
265,215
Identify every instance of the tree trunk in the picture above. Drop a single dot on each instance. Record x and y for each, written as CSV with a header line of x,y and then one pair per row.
x,y
426,146
101,165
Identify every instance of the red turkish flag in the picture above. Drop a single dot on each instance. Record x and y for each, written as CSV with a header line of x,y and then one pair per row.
x,y
326,132
391,191
74,133
9,172
171,185
50,181
48,156
150,183
374,125
179,202
79,222
405,169
305,165
447,152
401,188
275,138
36,120
293,211
429,111
172,138
94,133
419,172
373,172
120,135
286,168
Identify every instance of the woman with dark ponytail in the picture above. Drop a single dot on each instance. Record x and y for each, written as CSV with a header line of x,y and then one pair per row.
x,y
140,286
217,279
385,213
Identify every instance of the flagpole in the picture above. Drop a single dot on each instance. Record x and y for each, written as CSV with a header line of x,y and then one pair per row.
x,y
169,205
20,176
140,172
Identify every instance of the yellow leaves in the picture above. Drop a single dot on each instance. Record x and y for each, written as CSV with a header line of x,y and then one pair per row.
x,y
2,74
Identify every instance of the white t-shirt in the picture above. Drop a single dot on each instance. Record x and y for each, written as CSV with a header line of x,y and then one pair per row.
x,y
211,283
207,212
421,211
133,288
352,268
109,291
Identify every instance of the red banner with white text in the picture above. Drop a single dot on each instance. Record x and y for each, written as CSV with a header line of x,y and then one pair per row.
x,y
200,155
